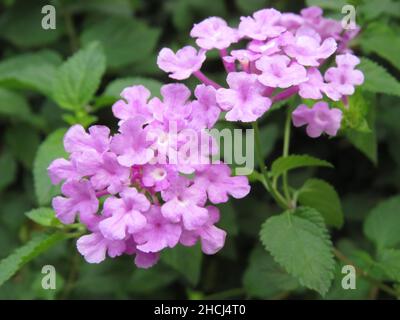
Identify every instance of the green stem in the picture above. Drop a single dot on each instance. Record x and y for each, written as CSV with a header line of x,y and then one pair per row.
x,y
286,143
267,182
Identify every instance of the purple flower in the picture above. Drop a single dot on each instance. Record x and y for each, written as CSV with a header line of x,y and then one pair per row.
x,y
133,104
80,198
124,216
212,33
146,260
315,86
262,25
159,232
307,49
157,176
318,119
212,238
77,140
217,182
244,99
184,203
62,169
104,171
344,77
132,143
278,72
94,247
182,64
205,110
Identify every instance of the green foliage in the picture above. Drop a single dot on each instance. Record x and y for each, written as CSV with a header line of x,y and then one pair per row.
x,y
320,195
38,244
381,225
186,260
79,77
360,121
33,71
43,216
377,79
49,150
265,279
302,246
13,105
125,41
53,78
284,164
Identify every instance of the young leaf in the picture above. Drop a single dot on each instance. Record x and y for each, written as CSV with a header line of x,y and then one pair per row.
x,y
283,164
320,195
300,242
382,224
185,260
38,244
124,40
377,79
43,216
264,278
49,150
78,78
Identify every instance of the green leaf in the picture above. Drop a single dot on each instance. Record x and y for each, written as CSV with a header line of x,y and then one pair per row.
x,y
389,261
23,142
38,244
382,224
14,106
22,25
186,260
113,91
33,71
79,77
320,195
8,169
125,41
48,151
377,79
264,278
364,140
43,216
382,40
283,164
300,242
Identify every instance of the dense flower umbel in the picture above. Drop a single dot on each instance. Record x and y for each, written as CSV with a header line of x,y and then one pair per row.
x,y
282,55
139,191
128,188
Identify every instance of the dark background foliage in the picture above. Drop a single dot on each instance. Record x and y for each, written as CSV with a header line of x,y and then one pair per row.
x,y
131,33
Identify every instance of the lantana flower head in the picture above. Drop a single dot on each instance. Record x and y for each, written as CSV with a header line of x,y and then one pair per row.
x,y
276,56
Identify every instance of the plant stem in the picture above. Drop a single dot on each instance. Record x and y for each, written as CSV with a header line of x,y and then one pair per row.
x,y
270,188
286,143
364,274
203,78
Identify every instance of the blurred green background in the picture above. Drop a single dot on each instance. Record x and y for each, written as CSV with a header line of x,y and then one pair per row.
x,y
131,33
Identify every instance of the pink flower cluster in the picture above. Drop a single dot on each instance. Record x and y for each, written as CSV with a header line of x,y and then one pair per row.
x,y
283,55
132,202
